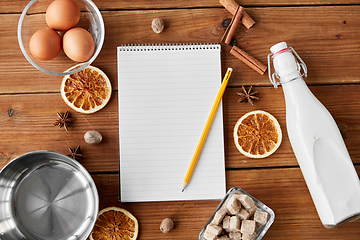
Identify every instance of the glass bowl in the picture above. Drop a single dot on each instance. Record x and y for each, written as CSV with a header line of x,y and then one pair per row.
x,y
32,19
260,230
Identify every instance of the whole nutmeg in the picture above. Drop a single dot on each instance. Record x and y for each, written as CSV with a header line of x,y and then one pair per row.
x,y
166,225
92,137
157,25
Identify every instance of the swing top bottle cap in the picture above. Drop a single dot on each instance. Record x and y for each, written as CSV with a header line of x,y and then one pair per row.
x,y
285,65
278,47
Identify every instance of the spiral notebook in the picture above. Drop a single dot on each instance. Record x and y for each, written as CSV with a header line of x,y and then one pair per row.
x,y
165,96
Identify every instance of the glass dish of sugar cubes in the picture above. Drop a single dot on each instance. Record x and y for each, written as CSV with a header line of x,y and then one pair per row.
x,y
239,216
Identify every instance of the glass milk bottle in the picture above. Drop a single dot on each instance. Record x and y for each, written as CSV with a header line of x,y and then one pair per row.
x,y
317,143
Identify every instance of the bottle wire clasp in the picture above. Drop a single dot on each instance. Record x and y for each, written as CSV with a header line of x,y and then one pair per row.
x,y
300,64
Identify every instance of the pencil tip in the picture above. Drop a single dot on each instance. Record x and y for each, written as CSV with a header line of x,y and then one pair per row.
x,y
184,186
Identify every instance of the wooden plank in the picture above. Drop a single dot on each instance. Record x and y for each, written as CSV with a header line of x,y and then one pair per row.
x,y
26,123
17,6
321,37
345,112
283,190
319,34
157,4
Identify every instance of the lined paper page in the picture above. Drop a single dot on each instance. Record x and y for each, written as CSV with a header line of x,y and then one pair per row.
x,y
165,97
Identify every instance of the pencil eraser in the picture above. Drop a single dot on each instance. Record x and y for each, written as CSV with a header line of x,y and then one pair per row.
x,y
230,69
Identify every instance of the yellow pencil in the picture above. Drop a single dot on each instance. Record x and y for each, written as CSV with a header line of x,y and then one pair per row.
x,y
206,128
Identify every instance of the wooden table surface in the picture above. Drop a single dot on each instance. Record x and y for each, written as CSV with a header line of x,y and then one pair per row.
x,y
326,34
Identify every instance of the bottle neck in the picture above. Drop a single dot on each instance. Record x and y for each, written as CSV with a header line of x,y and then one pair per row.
x,y
290,77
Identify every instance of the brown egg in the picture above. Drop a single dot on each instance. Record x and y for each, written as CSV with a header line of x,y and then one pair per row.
x,y
78,44
62,14
45,44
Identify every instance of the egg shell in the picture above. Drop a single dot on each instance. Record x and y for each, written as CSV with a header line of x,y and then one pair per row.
x,y
45,44
78,44
62,15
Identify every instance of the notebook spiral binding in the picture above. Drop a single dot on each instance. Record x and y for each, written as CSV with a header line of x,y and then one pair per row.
x,y
167,47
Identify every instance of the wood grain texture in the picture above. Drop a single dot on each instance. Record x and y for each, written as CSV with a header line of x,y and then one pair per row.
x,y
30,126
26,123
17,6
283,190
272,100
325,37
325,34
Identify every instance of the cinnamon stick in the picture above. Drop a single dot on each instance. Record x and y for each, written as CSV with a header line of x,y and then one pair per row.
x,y
232,27
248,60
247,21
232,6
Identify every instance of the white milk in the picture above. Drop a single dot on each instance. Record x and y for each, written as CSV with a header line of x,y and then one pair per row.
x,y
317,143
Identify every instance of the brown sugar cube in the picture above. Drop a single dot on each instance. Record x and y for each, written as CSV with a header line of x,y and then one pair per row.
x,y
261,217
226,223
246,201
236,194
248,227
209,236
235,236
233,205
213,229
248,237
251,210
219,216
235,224
243,214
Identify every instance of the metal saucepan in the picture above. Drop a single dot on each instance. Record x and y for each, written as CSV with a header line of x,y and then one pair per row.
x,y
46,195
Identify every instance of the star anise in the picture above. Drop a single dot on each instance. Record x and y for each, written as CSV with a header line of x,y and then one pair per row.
x,y
75,153
247,96
63,120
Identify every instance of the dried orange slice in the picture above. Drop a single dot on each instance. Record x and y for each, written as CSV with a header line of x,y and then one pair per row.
x,y
257,134
114,223
86,91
